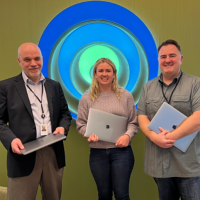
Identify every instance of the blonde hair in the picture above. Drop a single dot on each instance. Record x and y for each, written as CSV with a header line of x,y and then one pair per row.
x,y
94,88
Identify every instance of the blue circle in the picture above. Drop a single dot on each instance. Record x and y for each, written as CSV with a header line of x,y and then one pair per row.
x,y
97,10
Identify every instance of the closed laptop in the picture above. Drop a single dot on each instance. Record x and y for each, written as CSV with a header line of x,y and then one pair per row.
x,y
108,127
169,118
41,142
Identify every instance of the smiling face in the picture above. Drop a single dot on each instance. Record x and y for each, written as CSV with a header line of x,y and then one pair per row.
x,y
30,60
104,75
170,60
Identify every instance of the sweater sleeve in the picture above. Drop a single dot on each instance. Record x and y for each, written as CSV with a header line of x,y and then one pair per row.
x,y
82,117
132,126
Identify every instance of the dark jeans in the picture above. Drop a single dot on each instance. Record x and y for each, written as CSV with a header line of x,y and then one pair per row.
x,y
111,169
174,188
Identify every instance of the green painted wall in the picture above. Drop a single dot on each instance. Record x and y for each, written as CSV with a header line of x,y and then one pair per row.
x,y
25,20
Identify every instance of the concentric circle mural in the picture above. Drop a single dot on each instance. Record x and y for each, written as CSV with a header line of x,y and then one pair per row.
x,y
77,37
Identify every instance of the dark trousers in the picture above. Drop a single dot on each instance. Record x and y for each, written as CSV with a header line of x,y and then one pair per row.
x,y
174,188
111,169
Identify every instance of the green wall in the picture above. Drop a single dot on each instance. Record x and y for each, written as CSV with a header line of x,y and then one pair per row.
x,y
25,20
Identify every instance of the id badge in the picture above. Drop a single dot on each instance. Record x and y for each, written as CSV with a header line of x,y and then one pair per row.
x,y
43,129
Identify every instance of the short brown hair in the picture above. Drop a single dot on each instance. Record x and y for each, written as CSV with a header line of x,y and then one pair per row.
x,y
173,42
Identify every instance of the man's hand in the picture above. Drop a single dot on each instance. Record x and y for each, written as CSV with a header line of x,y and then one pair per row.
x,y
59,130
160,139
123,141
16,145
93,138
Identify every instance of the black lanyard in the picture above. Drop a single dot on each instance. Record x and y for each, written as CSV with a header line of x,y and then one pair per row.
x,y
172,90
42,115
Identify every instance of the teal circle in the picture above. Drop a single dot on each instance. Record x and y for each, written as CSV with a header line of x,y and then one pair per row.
x,y
81,84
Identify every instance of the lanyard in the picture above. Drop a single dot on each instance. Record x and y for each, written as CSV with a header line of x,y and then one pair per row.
x,y
42,115
168,101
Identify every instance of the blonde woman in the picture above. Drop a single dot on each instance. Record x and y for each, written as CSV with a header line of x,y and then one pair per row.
x,y
111,164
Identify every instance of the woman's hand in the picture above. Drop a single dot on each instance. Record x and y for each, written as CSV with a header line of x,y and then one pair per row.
x,y
93,138
123,141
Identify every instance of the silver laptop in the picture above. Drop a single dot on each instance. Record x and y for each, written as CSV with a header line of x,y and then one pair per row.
x,y
41,142
169,118
108,127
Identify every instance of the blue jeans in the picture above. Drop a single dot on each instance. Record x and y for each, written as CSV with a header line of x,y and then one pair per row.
x,y
111,169
174,188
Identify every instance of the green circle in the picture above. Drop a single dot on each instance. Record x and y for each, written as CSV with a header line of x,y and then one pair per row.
x,y
91,55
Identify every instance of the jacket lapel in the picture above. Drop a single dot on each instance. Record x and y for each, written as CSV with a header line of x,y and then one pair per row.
x,y
20,86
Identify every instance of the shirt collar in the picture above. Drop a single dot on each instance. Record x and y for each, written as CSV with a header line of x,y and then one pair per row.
x,y
175,79
27,80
